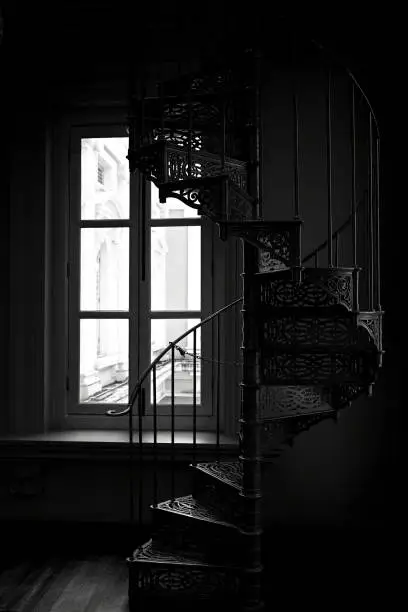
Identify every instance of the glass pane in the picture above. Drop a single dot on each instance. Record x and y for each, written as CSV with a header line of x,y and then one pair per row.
x,y
162,332
171,209
104,361
104,178
105,268
176,268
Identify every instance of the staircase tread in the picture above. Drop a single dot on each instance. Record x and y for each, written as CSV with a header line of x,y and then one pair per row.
x,y
189,506
228,472
315,271
300,415
153,552
169,144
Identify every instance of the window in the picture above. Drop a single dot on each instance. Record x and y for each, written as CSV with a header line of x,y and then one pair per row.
x,y
139,276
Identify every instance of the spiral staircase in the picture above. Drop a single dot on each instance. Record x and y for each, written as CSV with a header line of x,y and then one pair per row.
x,y
308,350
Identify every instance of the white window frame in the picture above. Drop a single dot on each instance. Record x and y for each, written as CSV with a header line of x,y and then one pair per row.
x,y
93,415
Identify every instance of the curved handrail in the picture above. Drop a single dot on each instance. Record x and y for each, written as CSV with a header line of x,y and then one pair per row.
x,y
172,344
335,234
322,48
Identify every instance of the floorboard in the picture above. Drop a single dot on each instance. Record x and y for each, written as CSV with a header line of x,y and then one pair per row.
x,y
82,584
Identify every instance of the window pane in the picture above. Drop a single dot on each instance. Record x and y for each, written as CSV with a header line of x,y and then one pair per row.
x,y
104,361
105,268
104,178
176,268
171,209
162,332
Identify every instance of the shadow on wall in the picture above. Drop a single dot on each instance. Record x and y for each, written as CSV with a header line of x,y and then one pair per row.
x,y
341,474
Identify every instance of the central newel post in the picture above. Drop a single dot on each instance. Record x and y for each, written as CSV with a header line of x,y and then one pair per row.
x,y
250,455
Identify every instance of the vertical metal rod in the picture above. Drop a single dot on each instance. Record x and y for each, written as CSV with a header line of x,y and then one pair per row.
x,y
296,155
194,395
154,406
143,225
371,219
378,223
218,383
140,415
353,178
155,436
329,174
164,170
142,112
295,133
172,424
162,123
336,250
258,175
140,469
131,470
190,134
223,134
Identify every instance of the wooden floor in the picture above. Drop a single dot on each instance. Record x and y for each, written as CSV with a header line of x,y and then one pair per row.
x,y
82,584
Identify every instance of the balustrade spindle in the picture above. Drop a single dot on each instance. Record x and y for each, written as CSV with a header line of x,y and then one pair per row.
x,y
370,217
194,395
223,134
296,155
131,468
295,133
218,384
356,297
172,424
378,223
162,119
329,173
140,455
155,436
190,135
336,250
258,175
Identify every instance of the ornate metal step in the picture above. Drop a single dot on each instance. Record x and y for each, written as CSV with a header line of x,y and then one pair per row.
x,y
278,241
169,161
291,400
228,473
317,368
187,524
303,331
213,79
160,576
218,486
319,288
371,321
280,432
216,197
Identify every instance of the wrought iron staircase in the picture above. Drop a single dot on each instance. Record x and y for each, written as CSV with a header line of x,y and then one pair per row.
x,y
307,348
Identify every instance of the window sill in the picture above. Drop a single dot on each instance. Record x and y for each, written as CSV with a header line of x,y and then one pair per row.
x,y
114,444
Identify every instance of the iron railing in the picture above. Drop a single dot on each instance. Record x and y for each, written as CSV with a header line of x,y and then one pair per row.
x,y
169,356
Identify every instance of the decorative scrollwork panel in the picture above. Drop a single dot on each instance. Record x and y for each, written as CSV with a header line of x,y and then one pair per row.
x,y
164,574
311,368
207,196
372,323
202,165
240,205
150,160
342,395
289,400
281,254
312,331
277,432
326,290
